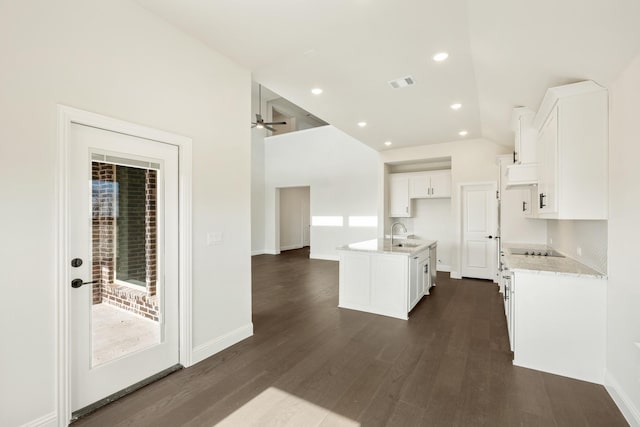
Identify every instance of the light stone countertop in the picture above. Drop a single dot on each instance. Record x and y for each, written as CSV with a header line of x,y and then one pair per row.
x,y
383,246
545,265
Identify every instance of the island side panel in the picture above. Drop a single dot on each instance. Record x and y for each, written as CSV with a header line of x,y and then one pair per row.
x,y
354,280
375,283
389,285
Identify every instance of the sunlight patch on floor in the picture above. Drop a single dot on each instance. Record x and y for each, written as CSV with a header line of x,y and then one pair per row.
x,y
274,407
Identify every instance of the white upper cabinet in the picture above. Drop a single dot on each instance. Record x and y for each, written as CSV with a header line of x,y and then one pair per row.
x,y
416,185
399,202
525,135
524,171
572,146
430,185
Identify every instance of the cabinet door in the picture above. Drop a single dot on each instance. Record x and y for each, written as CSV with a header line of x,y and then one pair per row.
x,y
441,184
526,196
419,186
525,138
548,164
414,282
399,202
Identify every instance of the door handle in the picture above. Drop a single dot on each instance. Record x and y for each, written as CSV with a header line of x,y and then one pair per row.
x,y
76,283
488,237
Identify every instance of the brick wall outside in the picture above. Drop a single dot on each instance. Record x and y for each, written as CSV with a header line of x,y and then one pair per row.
x,y
151,228
136,214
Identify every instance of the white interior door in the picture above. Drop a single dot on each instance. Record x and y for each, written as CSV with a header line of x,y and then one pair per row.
x,y
123,223
479,225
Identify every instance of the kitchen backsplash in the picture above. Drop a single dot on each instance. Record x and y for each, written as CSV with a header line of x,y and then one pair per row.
x,y
590,236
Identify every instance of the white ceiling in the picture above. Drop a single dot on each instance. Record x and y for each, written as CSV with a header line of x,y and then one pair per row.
x,y
503,53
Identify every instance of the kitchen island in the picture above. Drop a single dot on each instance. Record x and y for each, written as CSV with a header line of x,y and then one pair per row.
x,y
381,278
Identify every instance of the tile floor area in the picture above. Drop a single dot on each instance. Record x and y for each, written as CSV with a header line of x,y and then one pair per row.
x,y
116,332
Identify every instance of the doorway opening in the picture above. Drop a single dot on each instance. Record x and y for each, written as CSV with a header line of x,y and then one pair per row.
x,y
295,218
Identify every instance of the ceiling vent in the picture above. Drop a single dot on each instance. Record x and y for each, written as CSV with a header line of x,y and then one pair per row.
x,y
402,82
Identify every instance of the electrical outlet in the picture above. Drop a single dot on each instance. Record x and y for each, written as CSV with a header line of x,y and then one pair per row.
x,y
214,238
579,251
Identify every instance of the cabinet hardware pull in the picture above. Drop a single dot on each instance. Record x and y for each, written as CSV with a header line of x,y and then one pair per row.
x,y
542,196
514,157
524,206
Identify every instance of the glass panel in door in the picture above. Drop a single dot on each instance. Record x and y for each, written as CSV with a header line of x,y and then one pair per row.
x,y
125,300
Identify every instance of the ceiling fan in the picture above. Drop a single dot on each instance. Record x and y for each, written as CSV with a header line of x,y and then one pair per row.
x,y
260,123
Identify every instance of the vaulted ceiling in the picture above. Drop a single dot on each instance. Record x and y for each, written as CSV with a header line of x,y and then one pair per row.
x,y
502,53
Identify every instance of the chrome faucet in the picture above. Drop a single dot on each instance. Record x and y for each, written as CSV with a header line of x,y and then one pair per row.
x,y
393,226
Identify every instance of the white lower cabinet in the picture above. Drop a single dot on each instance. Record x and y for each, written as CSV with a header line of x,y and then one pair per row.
x,y
419,277
557,323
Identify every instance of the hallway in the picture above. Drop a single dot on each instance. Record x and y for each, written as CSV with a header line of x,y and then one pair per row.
x,y
449,364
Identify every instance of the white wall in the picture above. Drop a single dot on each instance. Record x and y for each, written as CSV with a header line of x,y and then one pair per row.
x,y
623,299
294,215
342,174
471,161
514,226
590,236
433,220
116,59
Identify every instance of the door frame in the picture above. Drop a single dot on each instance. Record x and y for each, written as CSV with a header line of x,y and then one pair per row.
x,y
66,117
460,219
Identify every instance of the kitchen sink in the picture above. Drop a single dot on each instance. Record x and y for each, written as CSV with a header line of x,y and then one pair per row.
x,y
536,252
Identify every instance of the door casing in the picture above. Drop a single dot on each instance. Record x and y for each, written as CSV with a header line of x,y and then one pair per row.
x,y
67,116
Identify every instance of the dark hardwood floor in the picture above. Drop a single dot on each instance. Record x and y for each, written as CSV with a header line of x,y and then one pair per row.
x,y
448,365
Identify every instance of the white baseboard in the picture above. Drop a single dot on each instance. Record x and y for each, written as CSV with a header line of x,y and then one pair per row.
x,y
443,267
216,345
290,247
258,252
271,252
455,275
49,420
628,408
325,257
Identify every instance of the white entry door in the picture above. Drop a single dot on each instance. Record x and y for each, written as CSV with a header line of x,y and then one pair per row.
x,y
123,257
479,226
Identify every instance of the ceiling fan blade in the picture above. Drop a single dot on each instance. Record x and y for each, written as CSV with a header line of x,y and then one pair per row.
x,y
275,123
270,128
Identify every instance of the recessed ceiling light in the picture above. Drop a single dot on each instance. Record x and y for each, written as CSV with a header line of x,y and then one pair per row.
x,y
316,91
463,133
388,143
456,106
362,124
440,56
